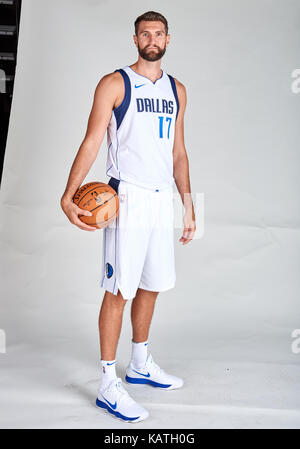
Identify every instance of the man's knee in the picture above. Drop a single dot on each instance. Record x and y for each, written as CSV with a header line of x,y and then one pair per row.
x,y
117,300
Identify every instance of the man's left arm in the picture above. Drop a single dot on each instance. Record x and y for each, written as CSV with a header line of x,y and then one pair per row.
x,y
181,169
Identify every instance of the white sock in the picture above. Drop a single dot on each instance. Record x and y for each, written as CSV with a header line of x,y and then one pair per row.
x,y
108,373
139,353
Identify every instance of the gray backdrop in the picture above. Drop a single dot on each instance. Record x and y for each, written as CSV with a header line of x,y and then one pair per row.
x,y
226,327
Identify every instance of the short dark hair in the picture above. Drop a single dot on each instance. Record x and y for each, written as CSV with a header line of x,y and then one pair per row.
x,y
151,16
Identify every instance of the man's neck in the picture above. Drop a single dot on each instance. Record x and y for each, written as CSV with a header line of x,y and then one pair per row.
x,y
153,72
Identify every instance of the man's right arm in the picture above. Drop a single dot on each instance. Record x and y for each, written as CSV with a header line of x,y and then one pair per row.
x,y
105,97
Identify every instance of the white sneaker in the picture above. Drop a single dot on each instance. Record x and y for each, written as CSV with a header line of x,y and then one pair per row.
x,y
152,374
116,400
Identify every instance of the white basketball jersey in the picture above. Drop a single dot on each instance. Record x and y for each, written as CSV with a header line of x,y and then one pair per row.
x,y
140,134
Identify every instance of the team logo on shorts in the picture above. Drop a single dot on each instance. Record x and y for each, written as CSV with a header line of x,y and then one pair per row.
x,y
109,270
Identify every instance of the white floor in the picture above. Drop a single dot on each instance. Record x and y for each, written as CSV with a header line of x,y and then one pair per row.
x,y
43,387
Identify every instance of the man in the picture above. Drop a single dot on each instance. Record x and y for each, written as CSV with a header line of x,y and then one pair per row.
x,y
142,109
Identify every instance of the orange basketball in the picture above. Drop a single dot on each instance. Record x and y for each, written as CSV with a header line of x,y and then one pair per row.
x,y
101,200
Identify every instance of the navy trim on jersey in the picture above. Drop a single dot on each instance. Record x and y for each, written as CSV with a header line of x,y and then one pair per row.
x,y
114,183
174,92
120,111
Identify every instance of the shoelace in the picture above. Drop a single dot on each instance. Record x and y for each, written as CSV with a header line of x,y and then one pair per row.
x,y
120,386
123,393
156,368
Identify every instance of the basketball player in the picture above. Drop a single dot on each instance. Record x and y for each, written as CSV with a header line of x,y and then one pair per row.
x,y
142,109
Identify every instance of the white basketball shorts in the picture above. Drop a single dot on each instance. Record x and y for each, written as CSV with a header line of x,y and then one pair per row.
x,y
138,246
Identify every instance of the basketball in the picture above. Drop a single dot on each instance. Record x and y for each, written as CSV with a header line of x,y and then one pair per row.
x,y
101,200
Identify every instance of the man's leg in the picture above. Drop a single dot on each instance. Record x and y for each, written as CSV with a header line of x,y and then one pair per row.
x,y
142,369
110,324
142,308
111,392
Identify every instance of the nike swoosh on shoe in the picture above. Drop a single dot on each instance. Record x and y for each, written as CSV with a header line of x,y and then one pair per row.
x,y
145,375
113,406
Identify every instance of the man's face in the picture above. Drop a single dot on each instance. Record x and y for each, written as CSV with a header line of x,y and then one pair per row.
x,y
151,40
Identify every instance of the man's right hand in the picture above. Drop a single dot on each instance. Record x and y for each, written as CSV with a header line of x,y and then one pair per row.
x,y
72,211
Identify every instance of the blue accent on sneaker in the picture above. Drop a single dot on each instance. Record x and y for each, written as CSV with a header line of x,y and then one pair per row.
x,y
110,363
114,406
145,344
146,375
133,380
113,412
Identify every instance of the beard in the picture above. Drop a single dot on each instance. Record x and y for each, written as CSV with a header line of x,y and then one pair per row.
x,y
152,55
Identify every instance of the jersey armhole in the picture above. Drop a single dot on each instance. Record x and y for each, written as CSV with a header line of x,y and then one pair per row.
x,y
120,111
174,88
